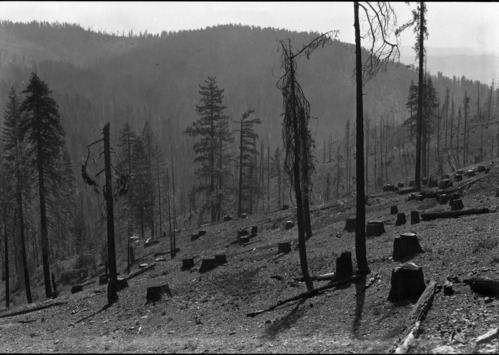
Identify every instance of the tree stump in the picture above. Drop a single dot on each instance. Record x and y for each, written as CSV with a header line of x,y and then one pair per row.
x,y
201,232
283,247
444,183
285,207
187,263
400,185
244,239
394,210
243,215
207,265
388,188
227,218
155,293
414,217
470,173
432,183
121,283
458,177
102,279
400,219
54,286
411,183
254,230
375,228
344,267
350,225
456,205
442,199
194,237
76,288
497,192
242,233
131,254
289,225
405,245
221,259
407,282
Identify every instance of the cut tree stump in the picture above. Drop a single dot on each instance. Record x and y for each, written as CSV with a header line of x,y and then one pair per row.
x,y
243,215
207,265
221,259
442,199
414,217
202,232
254,230
483,285
245,239
155,293
289,225
456,205
227,218
194,237
405,245
407,282
242,233
344,267
285,207
452,214
375,228
187,263
122,283
102,279
394,210
284,247
400,219
350,225
76,288
458,177
497,192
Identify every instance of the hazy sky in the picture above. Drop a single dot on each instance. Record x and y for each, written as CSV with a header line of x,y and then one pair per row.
x,y
450,24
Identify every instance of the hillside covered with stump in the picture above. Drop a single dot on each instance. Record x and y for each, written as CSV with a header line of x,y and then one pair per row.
x,y
235,286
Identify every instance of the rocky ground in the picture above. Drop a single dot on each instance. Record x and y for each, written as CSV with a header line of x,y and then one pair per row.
x,y
208,311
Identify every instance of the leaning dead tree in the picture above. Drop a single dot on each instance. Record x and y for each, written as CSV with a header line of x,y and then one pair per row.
x,y
298,142
380,19
121,188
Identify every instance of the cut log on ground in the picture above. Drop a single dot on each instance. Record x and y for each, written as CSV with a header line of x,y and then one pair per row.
x,y
400,219
284,247
405,245
35,308
305,295
155,293
407,282
483,285
207,264
452,214
139,271
350,225
344,267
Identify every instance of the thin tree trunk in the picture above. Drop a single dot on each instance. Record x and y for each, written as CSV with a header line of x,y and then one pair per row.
x,y
23,244
419,124
6,260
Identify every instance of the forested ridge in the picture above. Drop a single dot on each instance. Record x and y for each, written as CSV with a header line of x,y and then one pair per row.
x,y
152,83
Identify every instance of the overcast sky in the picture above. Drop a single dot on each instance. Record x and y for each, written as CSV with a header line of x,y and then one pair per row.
x,y
450,24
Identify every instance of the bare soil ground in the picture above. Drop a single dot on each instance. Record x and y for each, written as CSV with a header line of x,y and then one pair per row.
x,y
208,311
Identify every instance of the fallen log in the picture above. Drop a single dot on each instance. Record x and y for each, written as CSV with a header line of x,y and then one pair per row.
x,y
416,317
483,285
33,309
452,214
304,295
139,271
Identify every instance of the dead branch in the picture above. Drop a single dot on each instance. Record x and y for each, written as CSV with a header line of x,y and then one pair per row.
x,y
139,271
305,295
452,214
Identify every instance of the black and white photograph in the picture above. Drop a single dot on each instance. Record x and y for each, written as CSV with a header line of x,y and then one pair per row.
x,y
249,177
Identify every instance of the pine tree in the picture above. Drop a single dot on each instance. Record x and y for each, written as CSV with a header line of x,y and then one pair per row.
x,y
42,129
212,127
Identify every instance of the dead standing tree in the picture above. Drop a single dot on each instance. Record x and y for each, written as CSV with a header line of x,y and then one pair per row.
x,y
380,21
109,196
298,142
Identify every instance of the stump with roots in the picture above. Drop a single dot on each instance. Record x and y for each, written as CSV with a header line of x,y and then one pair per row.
x,y
456,205
207,265
102,279
394,210
76,288
344,267
400,219
254,230
414,217
289,225
283,247
350,225
405,245
407,282
155,293
121,283
221,259
375,228
187,263
244,239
